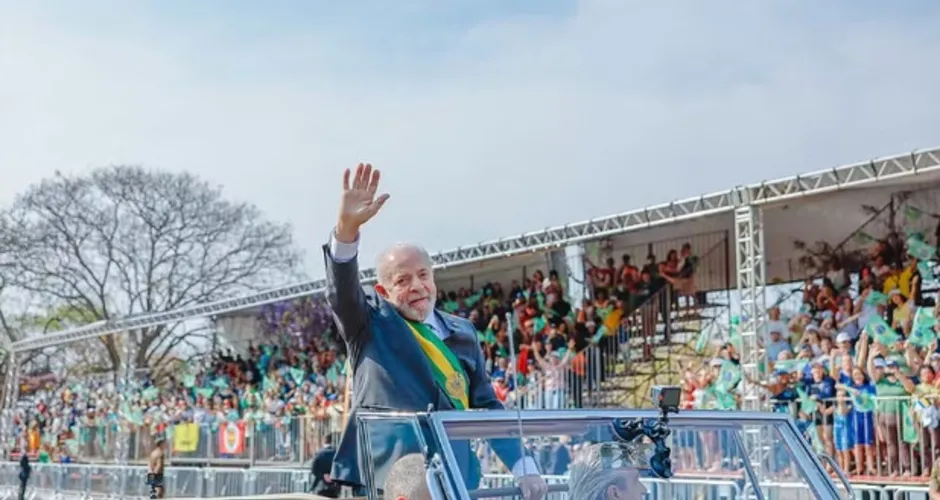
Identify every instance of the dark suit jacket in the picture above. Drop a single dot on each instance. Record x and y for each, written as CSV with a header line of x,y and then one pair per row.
x,y
322,465
391,372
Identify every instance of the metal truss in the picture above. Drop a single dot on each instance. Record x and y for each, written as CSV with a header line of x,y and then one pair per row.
x,y
864,174
751,267
11,389
751,271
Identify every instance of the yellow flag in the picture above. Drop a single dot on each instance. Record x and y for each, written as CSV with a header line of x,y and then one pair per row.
x,y
612,321
185,438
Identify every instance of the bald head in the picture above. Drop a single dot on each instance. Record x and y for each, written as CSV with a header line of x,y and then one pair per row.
x,y
397,253
406,280
407,479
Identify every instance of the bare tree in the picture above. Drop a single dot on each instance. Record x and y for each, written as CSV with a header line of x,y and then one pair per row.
x,y
125,240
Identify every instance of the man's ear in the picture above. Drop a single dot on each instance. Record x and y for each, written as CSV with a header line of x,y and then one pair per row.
x,y
379,289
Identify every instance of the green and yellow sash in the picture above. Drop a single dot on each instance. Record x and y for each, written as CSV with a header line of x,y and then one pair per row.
x,y
444,365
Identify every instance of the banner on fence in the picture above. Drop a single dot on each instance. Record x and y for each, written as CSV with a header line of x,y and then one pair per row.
x,y
185,437
231,438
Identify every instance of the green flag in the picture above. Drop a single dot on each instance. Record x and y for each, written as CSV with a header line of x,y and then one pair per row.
x,y
912,213
703,339
150,393
909,432
734,336
791,365
863,238
862,402
876,298
919,249
880,331
808,405
925,268
812,435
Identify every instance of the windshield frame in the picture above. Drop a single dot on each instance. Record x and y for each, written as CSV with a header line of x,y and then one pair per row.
x,y
490,424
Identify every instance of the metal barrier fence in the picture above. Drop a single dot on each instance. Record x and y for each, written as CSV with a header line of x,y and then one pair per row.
x,y
87,481
290,442
113,481
879,437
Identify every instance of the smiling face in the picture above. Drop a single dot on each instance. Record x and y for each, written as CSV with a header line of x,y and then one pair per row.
x,y
406,280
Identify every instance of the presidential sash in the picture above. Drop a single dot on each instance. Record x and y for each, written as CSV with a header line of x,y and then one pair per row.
x,y
444,365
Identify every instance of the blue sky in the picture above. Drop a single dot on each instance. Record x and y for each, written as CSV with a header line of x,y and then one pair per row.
x,y
489,118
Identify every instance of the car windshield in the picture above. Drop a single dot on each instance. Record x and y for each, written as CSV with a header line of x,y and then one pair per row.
x,y
757,455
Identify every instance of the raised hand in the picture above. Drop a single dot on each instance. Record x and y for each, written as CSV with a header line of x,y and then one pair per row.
x,y
358,203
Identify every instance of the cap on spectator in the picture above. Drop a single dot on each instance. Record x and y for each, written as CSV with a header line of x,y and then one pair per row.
x,y
812,328
843,337
716,362
892,362
935,355
781,373
880,363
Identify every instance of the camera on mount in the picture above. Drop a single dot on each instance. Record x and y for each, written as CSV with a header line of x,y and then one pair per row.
x,y
667,399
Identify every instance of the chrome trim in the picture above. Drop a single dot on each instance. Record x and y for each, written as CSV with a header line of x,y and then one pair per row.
x,y
367,476
839,472
450,460
817,476
745,459
441,489
580,414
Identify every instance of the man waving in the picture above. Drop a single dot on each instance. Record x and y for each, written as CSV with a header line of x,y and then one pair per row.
x,y
405,355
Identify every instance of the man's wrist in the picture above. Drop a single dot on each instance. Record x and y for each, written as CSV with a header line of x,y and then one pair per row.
x,y
344,233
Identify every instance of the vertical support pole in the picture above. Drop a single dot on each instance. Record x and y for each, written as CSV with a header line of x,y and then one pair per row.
x,y
11,387
558,262
751,270
577,286
749,250
126,383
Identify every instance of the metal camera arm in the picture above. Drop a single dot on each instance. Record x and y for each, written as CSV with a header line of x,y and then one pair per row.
x,y
657,430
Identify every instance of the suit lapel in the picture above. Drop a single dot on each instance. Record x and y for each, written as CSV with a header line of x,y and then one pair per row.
x,y
393,317
446,323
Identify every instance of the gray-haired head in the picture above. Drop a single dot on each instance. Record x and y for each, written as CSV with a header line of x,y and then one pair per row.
x,y
393,253
594,475
407,479
406,280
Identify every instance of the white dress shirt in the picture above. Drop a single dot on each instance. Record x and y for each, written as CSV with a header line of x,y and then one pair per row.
x,y
345,252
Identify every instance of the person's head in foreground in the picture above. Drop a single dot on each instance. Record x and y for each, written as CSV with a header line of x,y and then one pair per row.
x,y
406,280
407,479
595,476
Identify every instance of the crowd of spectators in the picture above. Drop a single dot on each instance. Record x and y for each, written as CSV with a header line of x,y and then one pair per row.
x,y
264,389
856,363
299,369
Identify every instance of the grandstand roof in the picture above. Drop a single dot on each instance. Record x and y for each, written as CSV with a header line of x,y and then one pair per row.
x,y
789,202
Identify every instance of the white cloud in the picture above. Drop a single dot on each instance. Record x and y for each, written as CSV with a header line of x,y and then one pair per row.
x,y
504,126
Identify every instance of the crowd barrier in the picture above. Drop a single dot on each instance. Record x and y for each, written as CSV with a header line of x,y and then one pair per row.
x,y
289,442
114,481
60,481
880,437
893,437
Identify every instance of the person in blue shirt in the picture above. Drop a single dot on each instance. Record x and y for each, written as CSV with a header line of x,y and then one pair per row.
x,y
822,388
863,424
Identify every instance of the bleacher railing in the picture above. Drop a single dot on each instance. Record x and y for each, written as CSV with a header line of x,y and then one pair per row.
x,y
890,437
